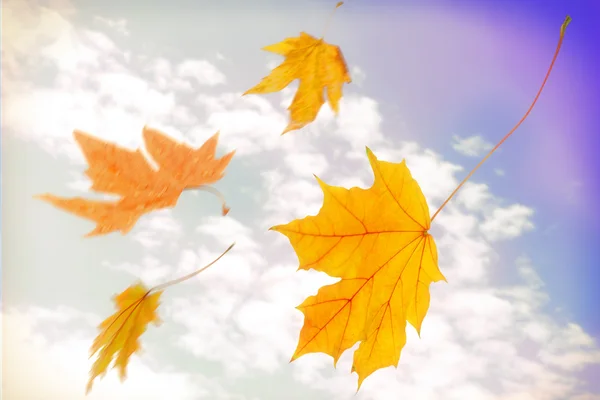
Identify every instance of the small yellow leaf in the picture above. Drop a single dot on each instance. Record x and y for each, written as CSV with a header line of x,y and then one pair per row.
x,y
119,334
318,65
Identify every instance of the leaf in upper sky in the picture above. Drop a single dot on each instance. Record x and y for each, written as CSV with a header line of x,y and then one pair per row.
x,y
119,334
142,188
318,65
376,240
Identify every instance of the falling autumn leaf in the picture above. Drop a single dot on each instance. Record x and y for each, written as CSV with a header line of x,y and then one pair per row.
x,y
142,188
318,65
120,333
376,241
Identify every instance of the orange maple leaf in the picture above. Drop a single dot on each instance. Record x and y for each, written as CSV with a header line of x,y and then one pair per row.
x,y
318,65
376,241
142,188
120,333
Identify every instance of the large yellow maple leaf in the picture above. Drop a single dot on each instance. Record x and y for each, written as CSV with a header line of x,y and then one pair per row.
x,y
142,188
119,334
376,240
318,65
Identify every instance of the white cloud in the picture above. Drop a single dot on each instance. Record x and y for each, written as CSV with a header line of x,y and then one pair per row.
x,y
528,274
164,77
225,230
471,146
306,164
118,25
158,229
249,124
296,196
570,349
359,121
474,196
358,75
150,270
507,222
245,304
201,71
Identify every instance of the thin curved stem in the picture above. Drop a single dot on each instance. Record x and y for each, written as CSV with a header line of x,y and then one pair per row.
x,y
212,190
338,5
189,276
558,46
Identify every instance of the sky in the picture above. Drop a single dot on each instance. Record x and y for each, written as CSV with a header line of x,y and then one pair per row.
x,y
434,82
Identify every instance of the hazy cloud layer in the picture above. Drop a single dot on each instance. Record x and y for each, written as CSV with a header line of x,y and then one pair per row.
x,y
229,333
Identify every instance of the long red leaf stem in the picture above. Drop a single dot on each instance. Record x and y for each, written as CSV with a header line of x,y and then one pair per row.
x,y
558,46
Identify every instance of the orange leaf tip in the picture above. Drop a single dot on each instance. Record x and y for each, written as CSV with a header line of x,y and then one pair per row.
x,y
370,153
275,228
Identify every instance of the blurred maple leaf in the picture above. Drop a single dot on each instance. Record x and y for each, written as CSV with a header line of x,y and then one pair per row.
x,y
120,333
126,173
318,65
